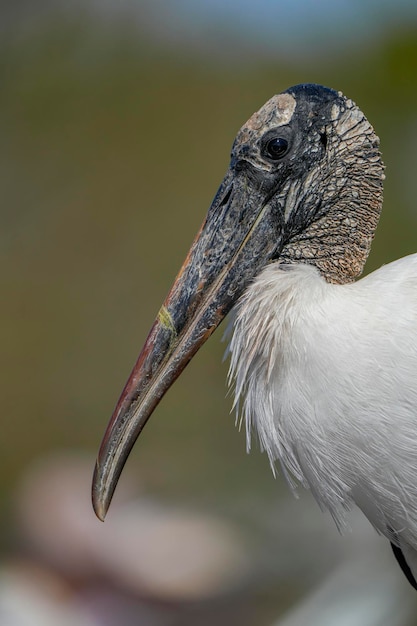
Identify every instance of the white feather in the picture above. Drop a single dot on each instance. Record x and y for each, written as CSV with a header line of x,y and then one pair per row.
x,y
327,376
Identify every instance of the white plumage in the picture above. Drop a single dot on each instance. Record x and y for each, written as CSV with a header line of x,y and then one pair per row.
x,y
326,375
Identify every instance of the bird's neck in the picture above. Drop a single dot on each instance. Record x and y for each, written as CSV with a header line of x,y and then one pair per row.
x,y
348,205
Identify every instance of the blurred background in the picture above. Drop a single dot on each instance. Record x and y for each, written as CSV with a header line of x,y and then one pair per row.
x,y
116,120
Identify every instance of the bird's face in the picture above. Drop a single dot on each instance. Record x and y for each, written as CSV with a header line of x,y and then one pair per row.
x,y
279,184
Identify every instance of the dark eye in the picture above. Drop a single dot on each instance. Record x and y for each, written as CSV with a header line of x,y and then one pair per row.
x,y
276,148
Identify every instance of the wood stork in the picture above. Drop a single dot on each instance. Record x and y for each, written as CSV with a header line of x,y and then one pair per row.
x,y
324,368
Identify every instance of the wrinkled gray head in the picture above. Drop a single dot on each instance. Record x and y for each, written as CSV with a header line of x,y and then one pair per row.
x,y
323,155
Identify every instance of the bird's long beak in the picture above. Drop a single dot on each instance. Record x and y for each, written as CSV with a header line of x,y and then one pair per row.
x,y
240,234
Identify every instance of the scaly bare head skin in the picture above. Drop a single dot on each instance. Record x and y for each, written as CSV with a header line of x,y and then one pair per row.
x,y
304,186
350,185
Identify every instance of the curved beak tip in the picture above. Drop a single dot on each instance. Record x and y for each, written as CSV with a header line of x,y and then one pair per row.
x,y
101,515
102,492
100,507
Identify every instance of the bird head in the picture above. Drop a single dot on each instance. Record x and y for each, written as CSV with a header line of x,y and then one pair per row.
x,y
304,185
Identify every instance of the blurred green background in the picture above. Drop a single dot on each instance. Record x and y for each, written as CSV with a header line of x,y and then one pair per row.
x,y
114,137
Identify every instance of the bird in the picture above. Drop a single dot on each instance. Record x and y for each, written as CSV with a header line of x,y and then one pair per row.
x,y
323,363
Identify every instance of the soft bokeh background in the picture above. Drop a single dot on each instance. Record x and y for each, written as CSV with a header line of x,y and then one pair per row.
x,y
116,123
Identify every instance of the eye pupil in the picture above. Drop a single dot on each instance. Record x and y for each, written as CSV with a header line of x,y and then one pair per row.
x,y
276,147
